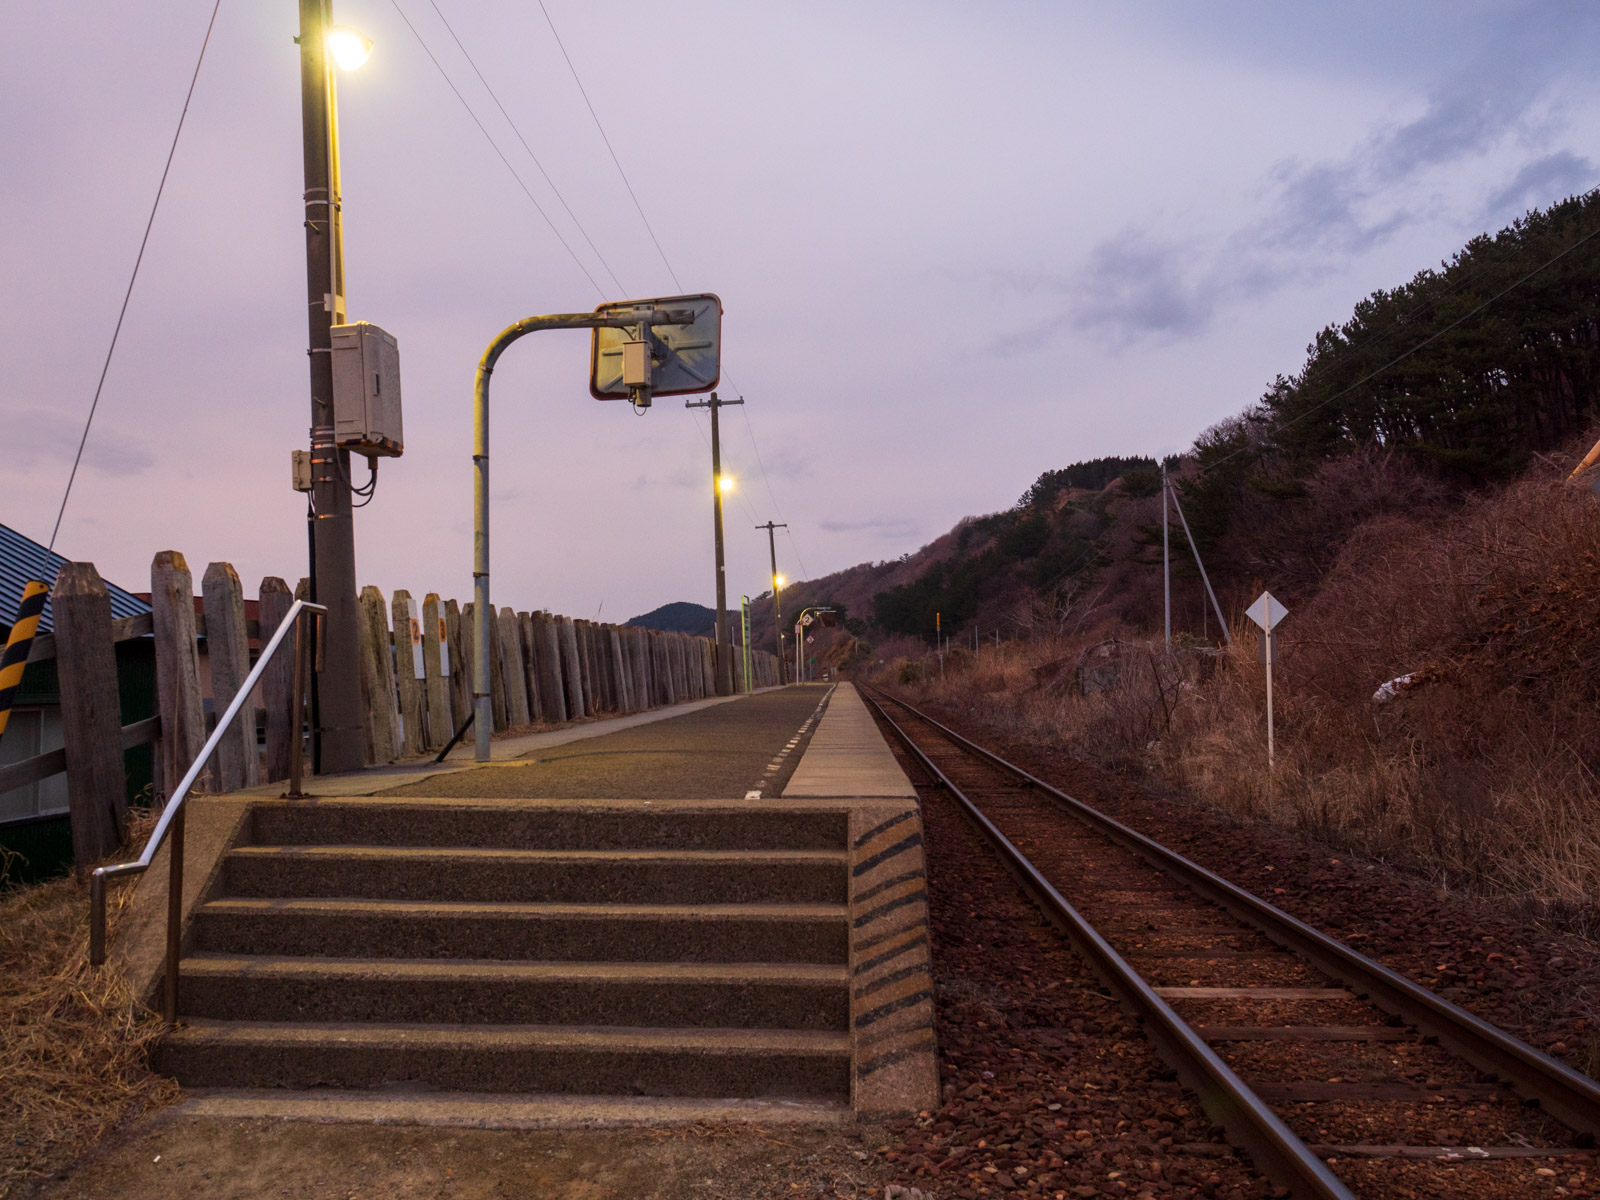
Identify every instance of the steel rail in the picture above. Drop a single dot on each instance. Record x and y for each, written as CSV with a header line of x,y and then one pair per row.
x,y
1225,1098
1568,1095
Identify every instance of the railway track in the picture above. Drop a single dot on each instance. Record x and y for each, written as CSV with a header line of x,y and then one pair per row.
x,y
1321,1063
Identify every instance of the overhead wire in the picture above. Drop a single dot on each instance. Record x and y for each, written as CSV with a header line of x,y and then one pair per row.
x,y
501,153
639,208
128,294
514,129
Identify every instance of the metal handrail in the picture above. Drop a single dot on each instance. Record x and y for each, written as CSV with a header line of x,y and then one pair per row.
x,y
170,823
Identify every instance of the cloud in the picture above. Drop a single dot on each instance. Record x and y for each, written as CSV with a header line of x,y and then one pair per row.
x,y
1316,215
1553,177
38,435
883,527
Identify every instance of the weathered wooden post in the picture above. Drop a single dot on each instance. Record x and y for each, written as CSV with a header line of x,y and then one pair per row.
x,y
228,647
183,719
377,669
497,678
601,654
460,667
532,651
91,712
512,669
277,681
623,673
638,660
553,703
409,687
435,654
580,634
572,666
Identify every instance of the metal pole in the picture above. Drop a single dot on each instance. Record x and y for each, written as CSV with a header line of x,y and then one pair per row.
x,y
1227,635
1268,636
1166,558
777,595
333,571
302,652
169,990
483,713
744,642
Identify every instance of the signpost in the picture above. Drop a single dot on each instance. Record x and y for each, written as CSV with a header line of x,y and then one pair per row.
x,y
1266,612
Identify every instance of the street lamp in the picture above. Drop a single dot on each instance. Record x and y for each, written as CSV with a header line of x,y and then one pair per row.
x,y
349,47
338,717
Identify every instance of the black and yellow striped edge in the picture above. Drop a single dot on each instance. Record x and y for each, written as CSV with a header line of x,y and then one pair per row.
x,y
18,645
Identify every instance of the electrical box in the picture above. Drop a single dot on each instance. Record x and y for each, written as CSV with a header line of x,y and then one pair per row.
x,y
366,390
300,469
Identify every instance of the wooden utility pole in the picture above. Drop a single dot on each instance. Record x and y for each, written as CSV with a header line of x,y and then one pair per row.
x,y
724,662
340,739
777,596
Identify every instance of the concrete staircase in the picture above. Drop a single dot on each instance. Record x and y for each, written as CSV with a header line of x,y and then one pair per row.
x,y
618,948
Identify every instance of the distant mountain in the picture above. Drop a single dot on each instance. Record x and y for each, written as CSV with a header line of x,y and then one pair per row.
x,y
679,617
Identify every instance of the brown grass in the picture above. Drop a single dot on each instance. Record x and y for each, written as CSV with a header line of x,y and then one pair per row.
x,y
74,1058
1486,777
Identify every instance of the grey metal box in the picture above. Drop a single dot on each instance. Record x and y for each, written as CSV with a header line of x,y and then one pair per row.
x,y
366,390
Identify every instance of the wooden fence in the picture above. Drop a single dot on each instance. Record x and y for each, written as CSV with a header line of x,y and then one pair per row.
x,y
416,682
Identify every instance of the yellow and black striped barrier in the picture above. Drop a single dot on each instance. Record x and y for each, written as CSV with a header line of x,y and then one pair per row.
x,y
15,660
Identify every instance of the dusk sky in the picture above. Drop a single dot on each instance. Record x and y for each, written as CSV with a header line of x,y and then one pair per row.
x,y
957,245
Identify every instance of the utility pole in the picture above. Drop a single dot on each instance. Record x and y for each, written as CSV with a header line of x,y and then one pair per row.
x,y
777,596
718,486
337,687
1166,559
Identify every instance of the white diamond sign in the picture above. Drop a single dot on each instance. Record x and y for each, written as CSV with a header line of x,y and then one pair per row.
x,y
1267,611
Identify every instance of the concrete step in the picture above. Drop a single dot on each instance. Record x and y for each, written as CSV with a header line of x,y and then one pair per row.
x,y
531,876
715,995
804,1064
535,825
726,933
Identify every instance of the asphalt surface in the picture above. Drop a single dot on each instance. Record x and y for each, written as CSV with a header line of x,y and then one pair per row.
x,y
716,753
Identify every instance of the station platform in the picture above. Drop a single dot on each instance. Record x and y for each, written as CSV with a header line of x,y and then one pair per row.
x,y
715,910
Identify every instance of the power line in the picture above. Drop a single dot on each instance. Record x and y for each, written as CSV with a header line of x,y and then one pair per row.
x,y
638,207
496,147
528,148
584,92
127,295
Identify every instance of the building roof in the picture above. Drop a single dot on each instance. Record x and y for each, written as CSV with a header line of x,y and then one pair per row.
x,y
22,559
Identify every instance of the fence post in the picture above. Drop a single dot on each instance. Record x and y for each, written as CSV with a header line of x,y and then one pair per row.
x,y
377,669
183,720
460,667
228,648
91,711
623,668
513,668
497,677
552,704
435,646
414,738
277,681
572,668
532,651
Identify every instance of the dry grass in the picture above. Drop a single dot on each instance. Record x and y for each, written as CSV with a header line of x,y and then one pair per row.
x,y
74,1059
1487,777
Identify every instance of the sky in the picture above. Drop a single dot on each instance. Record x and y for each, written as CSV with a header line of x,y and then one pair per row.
x,y
957,245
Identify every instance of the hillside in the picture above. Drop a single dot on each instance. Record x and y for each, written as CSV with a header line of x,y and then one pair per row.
x,y
681,616
1430,394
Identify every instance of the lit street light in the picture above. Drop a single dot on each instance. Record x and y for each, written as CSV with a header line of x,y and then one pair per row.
x,y
777,592
350,49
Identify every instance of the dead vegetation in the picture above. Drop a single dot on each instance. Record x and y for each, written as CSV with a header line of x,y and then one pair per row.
x,y
1485,775
74,1058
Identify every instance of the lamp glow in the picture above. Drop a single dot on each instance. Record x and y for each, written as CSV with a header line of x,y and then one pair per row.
x,y
779,580
725,484
349,48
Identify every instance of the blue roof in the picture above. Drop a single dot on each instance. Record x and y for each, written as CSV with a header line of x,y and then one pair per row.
x,y
22,559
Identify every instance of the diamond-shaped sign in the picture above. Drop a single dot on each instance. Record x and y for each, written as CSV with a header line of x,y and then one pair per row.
x,y
1267,611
